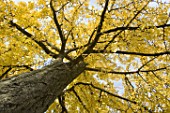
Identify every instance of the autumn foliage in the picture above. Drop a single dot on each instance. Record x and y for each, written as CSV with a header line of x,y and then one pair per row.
x,y
125,43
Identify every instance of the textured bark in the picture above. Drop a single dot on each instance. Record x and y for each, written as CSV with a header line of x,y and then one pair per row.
x,y
33,92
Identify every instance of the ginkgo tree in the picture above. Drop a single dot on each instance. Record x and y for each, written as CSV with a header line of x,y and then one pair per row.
x,y
78,56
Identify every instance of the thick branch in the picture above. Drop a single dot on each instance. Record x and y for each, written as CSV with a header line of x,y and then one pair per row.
x,y
37,42
98,28
94,42
63,40
132,53
19,66
117,72
5,73
10,67
61,100
143,54
20,29
134,28
103,90
78,97
91,36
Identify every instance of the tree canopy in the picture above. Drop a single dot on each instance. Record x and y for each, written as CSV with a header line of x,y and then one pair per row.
x,y
125,44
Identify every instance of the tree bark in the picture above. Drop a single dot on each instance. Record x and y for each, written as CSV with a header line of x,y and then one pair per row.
x,y
34,91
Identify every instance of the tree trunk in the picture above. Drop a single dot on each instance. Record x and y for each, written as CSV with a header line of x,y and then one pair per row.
x,y
33,92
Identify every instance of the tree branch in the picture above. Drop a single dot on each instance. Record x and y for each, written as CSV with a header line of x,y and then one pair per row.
x,y
117,72
65,55
92,45
92,34
61,100
19,66
103,90
78,97
143,54
132,53
10,67
3,74
120,7
76,48
126,26
20,29
138,13
62,37
52,54
133,28
90,48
